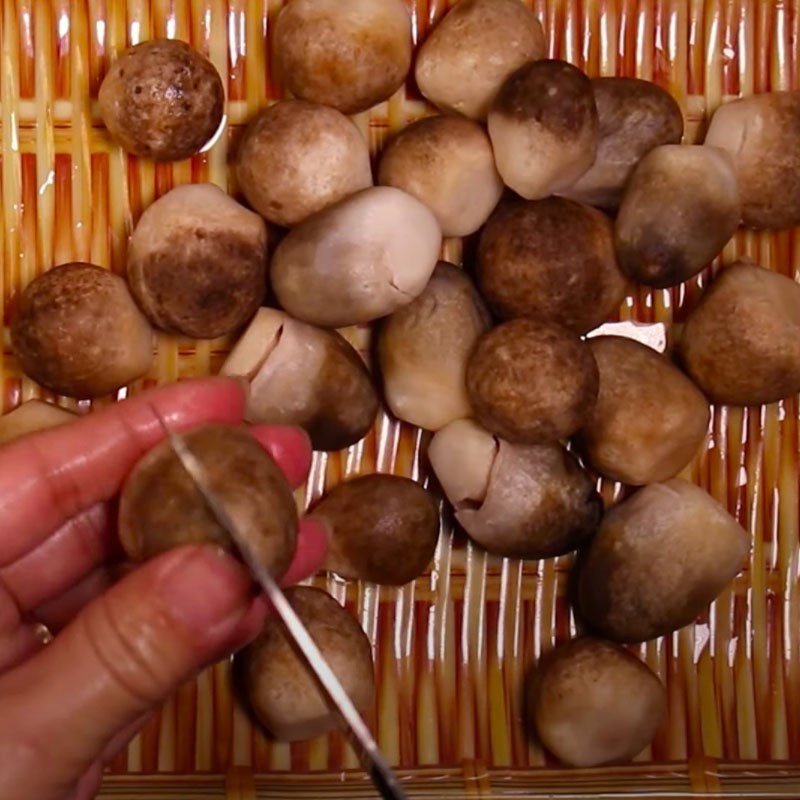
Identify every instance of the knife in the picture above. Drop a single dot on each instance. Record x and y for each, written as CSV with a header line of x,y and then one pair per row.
x,y
372,759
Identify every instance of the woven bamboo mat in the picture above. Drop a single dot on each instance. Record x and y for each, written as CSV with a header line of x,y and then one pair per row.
x,y
452,648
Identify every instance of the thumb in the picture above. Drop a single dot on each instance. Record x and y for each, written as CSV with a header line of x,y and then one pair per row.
x,y
126,652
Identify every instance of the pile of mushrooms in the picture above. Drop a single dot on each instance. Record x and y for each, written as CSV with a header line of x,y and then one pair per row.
x,y
527,403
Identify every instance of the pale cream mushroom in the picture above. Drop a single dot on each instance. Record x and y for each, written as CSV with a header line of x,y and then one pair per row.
x,y
32,416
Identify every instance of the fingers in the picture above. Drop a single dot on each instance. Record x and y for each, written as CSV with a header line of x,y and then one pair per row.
x,y
61,610
290,447
312,545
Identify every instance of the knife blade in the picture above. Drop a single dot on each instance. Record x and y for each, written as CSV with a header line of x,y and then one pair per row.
x,y
370,755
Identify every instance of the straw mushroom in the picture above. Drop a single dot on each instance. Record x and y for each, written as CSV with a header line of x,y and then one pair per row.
x,y
162,99
657,561
531,382
78,332
446,163
278,685
543,126
349,54
468,55
423,349
303,375
32,416
384,529
520,501
634,116
741,345
552,259
680,208
296,158
649,420
358,260
761,133
197,262
161,508
593,703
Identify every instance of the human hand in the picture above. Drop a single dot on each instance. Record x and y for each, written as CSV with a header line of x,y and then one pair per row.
x,y
69,706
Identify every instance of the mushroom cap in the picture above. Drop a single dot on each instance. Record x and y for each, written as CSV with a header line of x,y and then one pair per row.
x,y
32,416
649,420
296,158
741,344
531,382
552,259
761,133
306,376
592,702
161,507
348,54
281,691
543,127
358,260
384,529
659,558
468,55
197,262
634,116
162,99
78,332
423,349
680,208
447,163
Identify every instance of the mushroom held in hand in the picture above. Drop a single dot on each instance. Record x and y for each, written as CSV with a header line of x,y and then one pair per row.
x,y
306,376
680,208
531,382
552,259
423,349
296,158
657,561
592,703
162,99
634,117
543,126
357,260
32,416
761,133
649,419
469,54
349,54
446,163
384,529
741,345
520,501
279,687
78,332
197,262
161,507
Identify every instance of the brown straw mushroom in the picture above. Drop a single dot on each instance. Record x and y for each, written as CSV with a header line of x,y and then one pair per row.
x,y
32,416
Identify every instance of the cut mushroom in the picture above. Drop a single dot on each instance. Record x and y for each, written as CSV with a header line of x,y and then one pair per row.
x,y
741,345
446,163
680,208
384,529
161,507
423,349
78,332
280,689
297,158
162,99
349,54
30,417
760,133
197,262
358,260
468,55
634,116
306,376
543,126
515,500
593,703
552,259
657,561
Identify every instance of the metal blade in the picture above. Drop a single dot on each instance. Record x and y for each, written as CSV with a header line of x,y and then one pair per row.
x,y
371,757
